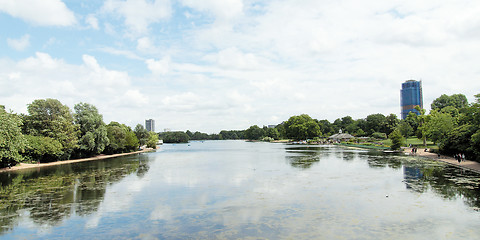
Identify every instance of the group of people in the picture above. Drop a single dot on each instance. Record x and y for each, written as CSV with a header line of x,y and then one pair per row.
x,y
459,157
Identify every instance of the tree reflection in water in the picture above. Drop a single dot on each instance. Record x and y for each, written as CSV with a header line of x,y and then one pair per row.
x,y
54,193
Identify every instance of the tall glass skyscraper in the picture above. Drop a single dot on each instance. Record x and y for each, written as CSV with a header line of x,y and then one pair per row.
x,y
410,97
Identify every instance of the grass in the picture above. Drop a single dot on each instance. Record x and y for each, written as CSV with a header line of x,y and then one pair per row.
x,y
414,141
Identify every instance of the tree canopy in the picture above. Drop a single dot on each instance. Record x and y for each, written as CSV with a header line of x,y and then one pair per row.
x,y
12,141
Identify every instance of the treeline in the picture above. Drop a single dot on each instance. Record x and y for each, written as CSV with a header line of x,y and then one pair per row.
x,y
453,124
51,132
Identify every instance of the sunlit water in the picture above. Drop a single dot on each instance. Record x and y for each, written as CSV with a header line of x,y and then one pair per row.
x,y
236,189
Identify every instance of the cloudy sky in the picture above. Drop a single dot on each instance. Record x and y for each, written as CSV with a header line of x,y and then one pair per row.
x,y
208,65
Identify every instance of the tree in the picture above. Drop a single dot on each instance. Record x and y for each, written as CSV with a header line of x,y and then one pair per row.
x,y
405,129
93,132
142,134
175,137
117,137
42,149
420,120
254,133
272,132
152,140
396,138
131,140
391,122
438,125
376,123
456,100
302,127
50,118
12,141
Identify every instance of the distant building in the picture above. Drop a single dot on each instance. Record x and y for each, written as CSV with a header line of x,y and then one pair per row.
x,y
167,130
410,97
271,126
339,137
150,125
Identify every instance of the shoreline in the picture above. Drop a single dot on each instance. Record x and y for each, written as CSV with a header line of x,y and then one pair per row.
x,y
467,164
22,166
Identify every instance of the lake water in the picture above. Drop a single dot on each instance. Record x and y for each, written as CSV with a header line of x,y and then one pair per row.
x,y
243,190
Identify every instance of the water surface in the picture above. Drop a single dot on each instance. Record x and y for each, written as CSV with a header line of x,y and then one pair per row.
x,y
236,189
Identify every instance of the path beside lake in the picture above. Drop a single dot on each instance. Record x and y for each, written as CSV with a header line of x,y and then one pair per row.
x,y
467,164
21,166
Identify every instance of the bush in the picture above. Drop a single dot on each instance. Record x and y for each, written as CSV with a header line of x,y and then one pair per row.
x,y
379,135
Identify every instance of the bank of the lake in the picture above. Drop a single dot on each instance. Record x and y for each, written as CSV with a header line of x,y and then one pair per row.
x,y
467,164
22,166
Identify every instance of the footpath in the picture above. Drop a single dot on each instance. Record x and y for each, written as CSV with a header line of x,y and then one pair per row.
x,y
467,164
21,166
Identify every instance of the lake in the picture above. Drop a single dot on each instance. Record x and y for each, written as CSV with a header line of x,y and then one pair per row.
x,y
243,190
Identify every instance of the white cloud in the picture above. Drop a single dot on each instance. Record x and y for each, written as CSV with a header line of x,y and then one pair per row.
x,y
92,21
44,13
160,67
145,45
19,44
222,10
139,14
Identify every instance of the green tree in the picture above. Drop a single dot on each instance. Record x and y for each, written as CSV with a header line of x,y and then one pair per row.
x,y
302,127
421,129
391,122
405,129
254,133
117,135
438,125
176,137
272,133
376,123
142,134
456,100
396,138
131,140
152,140
50,118
42,149
93,132
12,141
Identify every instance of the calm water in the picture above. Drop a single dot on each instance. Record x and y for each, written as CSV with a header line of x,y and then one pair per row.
x,y
235,189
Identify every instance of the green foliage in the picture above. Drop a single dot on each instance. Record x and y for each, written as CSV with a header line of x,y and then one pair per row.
x,y
456,101
391,122
267,139
50,118
131,141
376,123
272,133
152,140
437,126
405,129
302,127
396,138
42,149
117,135
142,134
12,141
379,135
175,137
254,133
93,132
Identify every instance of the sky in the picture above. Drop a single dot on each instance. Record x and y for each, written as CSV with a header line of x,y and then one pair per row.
x,y
211,65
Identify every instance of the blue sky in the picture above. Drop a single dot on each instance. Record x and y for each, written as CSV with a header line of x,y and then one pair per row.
x,y
209,65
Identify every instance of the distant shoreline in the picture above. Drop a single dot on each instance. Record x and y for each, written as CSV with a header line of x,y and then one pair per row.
x,y
22,166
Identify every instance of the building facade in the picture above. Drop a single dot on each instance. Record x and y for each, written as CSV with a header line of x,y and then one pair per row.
x,y
150,125
410,97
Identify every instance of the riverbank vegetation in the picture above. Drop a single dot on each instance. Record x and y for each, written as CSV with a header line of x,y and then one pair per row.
x,y
452,126
52,132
